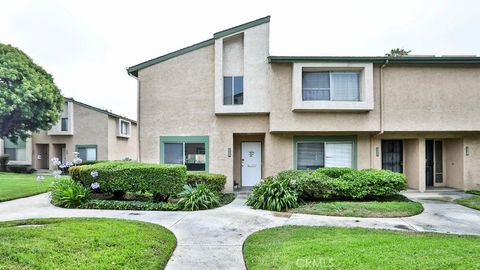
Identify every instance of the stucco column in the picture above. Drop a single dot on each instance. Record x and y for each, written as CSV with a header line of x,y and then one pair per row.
x,y
421,165
376,160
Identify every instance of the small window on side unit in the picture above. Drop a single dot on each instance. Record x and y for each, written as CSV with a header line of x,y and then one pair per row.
x,y
64,125
233,90
329,85
124,128
87,153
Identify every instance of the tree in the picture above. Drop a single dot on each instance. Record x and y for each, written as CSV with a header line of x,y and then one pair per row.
x,y
398,52
29,99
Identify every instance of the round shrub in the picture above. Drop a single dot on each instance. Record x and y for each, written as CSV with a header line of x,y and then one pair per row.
x,y
198,198
371,183
335,172
273,194
309,185
214,181
67,193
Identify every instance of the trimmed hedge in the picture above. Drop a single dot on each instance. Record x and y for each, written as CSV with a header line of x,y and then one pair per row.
x,y
214,181
161,180
370,183
335,172
130,205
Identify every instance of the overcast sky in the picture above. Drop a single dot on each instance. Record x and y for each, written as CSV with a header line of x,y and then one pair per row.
x,y
86,45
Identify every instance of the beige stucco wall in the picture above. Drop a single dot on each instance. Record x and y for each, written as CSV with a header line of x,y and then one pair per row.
x,y
431,98
90,128
471,163
119,147
282,119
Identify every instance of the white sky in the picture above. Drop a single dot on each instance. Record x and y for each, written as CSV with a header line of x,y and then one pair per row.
x,y
86,45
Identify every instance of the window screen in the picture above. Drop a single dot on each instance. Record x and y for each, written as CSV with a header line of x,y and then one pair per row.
x,y
310,156
87,153
173,153
345,86
227,90
326,85
338,155
316,85
64,124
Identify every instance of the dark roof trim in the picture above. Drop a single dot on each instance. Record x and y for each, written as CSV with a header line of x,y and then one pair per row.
x,y
99,110
133,70
379,59
241,27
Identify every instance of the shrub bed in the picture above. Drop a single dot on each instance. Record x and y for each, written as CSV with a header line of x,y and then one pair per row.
x,y
161,180
274,193
214,181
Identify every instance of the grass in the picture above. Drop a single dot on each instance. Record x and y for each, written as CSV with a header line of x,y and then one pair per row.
x,y
84,243
301,247
473,191
398,207
472,202
19,185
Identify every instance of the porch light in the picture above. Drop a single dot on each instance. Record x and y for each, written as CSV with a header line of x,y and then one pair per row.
x,y
467,151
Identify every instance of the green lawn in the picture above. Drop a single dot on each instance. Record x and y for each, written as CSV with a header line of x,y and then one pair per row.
x,y
395,208
19,185
301,247
472,202
84,243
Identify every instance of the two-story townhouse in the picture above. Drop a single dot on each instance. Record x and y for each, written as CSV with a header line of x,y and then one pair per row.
x,y
94,133
225,105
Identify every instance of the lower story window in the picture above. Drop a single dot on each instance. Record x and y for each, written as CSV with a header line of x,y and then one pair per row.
x,y
15,151
192,151
319,153
87,153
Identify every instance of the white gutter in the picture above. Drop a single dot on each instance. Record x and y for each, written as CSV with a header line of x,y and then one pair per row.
x,y
381,110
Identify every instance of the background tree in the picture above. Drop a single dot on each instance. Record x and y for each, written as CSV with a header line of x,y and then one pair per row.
x,y
29,99
398,52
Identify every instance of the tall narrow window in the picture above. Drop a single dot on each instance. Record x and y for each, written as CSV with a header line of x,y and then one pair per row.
x,y
233,90
64,124
329,85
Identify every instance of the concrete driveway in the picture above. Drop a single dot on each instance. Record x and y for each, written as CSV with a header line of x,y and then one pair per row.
x,y
213,239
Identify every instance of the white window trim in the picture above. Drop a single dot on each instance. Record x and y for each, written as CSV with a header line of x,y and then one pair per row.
x,y
365,86
119,130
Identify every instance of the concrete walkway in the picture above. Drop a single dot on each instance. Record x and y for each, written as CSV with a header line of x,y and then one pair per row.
x,y
212,239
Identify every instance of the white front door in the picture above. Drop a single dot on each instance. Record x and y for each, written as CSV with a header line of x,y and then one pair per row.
x,y
251,163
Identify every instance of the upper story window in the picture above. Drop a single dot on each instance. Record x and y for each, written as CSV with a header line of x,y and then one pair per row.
x,y
124,128
64,124
335,87
233,90
15,151
329,85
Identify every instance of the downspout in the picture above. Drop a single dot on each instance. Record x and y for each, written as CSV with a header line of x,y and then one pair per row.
x,y
381,112
138,114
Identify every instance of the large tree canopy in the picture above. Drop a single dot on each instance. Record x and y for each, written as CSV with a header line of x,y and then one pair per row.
x,y
29,99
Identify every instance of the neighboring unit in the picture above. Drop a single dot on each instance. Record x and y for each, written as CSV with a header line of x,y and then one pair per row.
x,y
225,105
94,133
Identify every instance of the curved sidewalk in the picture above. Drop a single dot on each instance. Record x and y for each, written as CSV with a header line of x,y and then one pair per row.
x,y
213,238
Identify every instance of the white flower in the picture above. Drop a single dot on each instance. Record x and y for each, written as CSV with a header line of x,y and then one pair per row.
x,y
56,161
57,174
95,185
94,174
77,160
40,178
